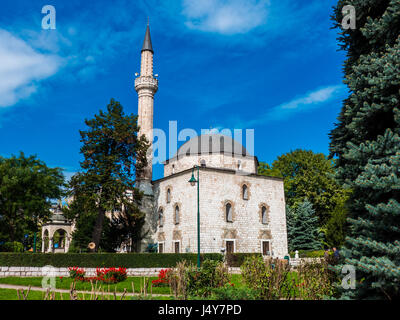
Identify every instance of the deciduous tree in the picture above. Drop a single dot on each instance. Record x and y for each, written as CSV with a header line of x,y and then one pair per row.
x,y
114,154
27,189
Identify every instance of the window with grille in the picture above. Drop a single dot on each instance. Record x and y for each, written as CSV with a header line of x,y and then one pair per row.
x,y
228,212
177,215
264,215
168,195
160,218
245,192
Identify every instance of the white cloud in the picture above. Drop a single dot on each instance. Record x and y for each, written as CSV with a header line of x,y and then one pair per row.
x,y
21,68
309,101
225,16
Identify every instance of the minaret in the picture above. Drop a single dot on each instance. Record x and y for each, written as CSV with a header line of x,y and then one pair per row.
x,y
146,86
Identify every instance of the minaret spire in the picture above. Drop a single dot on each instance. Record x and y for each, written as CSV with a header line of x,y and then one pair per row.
x,y
147,40
146,86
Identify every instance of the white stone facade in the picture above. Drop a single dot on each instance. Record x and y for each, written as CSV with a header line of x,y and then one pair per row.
x,y
217,188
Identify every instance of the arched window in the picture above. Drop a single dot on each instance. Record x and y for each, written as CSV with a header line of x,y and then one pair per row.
x,y
203,163
228,212
245,192
160,217
168,195
177,214
173,169
264,215
239,165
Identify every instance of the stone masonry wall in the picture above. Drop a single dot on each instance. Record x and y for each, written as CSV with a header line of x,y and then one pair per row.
x,y
216,189
63,272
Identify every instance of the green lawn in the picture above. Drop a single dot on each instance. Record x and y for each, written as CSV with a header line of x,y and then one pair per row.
x,y
65,283
11,294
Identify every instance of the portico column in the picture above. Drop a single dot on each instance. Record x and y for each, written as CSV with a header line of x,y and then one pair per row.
x,y
50,245
66,244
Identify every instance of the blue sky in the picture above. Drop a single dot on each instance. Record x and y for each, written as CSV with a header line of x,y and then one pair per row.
x,y
267,65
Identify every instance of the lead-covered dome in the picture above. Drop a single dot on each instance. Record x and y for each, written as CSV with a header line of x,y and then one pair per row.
x,y
211,144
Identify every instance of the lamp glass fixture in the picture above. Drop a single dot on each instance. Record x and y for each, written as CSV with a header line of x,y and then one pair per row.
x,y
192,180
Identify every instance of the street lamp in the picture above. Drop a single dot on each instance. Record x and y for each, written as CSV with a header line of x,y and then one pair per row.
x,y
192,182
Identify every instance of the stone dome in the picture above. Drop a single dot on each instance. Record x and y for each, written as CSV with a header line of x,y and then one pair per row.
x,y
58,217
211,144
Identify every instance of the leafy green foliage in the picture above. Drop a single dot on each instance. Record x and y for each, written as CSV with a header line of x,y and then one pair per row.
x,y
315,281
269,280
236,259
113,155
336,227
230,292
309,253
272,279
14,246
93,260
213,274
265,169
367,144
307,175
27,189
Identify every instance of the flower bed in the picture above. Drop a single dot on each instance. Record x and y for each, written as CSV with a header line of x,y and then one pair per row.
x,y
105,275
162,280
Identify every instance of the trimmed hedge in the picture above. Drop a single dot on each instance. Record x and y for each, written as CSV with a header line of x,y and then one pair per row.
x,y
93,260
309,254
237,259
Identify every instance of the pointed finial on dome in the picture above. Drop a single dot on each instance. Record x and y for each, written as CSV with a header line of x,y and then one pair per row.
x,y
147,39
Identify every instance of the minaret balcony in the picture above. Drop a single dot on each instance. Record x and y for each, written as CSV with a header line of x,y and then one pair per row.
x,y
146,83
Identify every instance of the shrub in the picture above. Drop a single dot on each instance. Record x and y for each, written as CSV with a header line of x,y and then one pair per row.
x,y
314,281
186,280
213,274
269,280
111,275
309,254
237,259
14,246
76,273
230,292
177,279
104,275
162,278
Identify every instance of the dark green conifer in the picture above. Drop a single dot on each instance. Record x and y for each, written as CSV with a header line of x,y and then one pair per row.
x,y
367,143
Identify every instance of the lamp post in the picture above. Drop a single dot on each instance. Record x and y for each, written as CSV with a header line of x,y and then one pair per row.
x,y
193,181
34,242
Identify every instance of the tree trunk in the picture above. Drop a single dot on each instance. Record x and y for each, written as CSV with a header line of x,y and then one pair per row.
x,y
98,228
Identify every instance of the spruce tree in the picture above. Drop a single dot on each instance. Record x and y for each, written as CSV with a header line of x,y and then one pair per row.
x,y
367,144
302,224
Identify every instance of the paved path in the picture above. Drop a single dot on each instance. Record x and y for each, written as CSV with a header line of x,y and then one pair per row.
x,y
25,288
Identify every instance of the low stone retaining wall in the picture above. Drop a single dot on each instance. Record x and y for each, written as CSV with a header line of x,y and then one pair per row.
x,y
296,262
63,272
